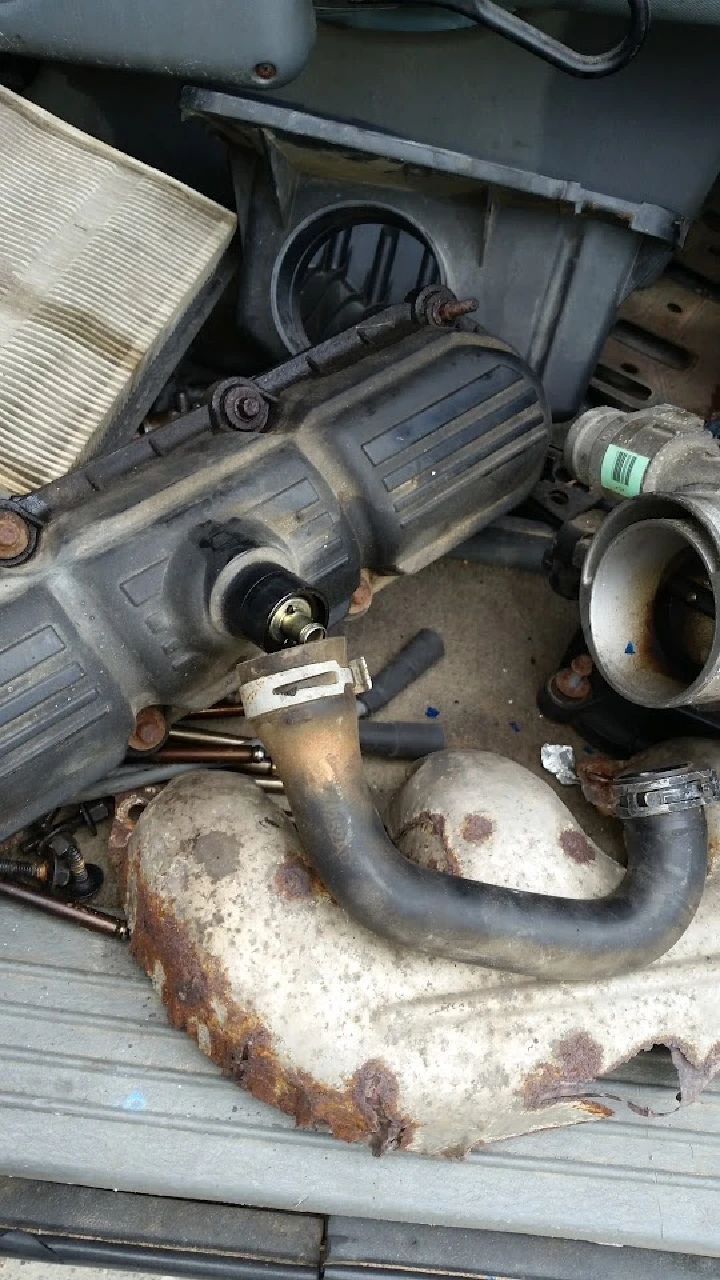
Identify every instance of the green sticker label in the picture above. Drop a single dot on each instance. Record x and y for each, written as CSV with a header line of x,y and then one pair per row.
x,y
622,471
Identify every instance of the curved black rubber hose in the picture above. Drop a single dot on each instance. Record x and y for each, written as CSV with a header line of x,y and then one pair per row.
x,y
587,66
562,939
414,659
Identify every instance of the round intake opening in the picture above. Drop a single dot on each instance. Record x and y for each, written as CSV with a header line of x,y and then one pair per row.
x,y
652,613
343,265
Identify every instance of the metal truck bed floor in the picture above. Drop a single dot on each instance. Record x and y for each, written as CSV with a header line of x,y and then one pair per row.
x,y
95,1087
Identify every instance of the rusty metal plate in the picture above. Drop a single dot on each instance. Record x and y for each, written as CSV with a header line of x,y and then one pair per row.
x,y
663,348
309,1012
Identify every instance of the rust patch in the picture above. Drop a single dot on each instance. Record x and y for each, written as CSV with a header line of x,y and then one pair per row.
x,y
645,1112
198,996
458,1152
129,808
295,879
12,843
693,1076
578,1061
362,596
596,778
477,828
374,1091
432,824
596,1109
577,846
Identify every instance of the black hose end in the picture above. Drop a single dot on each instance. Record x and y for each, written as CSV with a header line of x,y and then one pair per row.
x,y
418,656
399,740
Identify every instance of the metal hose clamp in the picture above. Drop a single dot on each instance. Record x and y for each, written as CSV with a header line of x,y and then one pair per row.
x,y
662,791
308,682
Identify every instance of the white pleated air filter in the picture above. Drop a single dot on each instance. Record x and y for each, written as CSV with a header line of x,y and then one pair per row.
x,y
100,258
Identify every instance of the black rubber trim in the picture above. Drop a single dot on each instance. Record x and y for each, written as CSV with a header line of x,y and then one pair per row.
x,y
585,66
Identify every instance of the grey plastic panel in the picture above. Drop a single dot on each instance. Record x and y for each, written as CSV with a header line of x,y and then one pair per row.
x,y
330,136
217,39
641,135
97,1089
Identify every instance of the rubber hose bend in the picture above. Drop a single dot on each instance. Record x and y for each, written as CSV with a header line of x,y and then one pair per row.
x,y
316,751
586,66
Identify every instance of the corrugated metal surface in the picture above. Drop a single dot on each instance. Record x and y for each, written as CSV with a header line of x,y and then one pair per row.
x,y
96,1088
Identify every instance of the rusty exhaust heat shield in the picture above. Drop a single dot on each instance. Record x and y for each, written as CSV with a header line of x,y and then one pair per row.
x,y
301,704
320,1017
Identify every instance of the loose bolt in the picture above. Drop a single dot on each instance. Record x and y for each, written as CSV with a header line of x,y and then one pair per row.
x,y
14,535
150,729
13,867
574,681
446,312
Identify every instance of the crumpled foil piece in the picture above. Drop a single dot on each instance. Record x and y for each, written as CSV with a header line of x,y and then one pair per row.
x,y
559,760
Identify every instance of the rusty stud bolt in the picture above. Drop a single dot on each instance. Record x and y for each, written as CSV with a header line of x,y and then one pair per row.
x,y
236,405
574,681
150,729
25,870
244,411
14,535
84,878
250,407
362,596
79,875
446,312
266,71
53,872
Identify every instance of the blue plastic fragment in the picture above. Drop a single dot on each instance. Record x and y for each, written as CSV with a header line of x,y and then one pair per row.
x,y
514,726
135,1101
630,647
432,713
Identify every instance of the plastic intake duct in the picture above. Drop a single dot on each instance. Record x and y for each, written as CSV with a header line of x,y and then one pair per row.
x,y
138,580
